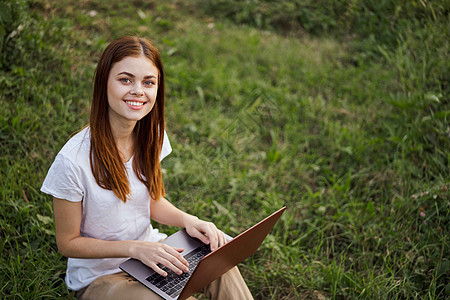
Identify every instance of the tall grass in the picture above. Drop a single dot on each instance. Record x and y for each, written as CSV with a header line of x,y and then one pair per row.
x,y
350,133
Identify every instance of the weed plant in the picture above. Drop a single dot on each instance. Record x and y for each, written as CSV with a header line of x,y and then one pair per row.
x,y
345,125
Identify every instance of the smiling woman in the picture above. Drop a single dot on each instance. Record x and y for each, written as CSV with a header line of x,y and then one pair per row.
x,y
106,184
119,131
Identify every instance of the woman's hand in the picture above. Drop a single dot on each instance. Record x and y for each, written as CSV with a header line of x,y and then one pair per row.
x,y
207,232
152,254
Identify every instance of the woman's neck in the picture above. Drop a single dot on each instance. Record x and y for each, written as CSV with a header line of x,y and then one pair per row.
x,y
124,138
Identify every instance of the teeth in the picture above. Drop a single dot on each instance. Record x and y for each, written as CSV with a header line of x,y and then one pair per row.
x,y
135,103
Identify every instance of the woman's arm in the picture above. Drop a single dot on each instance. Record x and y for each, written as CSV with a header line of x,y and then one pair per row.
x,y
162,211
72,244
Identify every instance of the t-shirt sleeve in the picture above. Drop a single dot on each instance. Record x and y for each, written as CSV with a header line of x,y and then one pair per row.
x,y
166,147
63,180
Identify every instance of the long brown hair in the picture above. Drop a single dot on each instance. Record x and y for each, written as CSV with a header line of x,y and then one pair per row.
x,y
107,167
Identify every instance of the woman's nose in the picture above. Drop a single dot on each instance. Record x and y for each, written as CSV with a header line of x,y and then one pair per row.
x,y
137,90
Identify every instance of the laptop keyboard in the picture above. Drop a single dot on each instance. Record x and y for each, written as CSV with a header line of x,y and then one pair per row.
x,y
173,284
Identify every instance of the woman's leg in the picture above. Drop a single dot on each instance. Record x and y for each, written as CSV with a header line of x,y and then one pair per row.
x,y
118,286
121,286
230,285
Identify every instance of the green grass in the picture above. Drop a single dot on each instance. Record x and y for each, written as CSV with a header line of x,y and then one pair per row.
x,y
352,136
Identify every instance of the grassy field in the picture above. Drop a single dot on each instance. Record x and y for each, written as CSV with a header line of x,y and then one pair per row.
x,y
350,131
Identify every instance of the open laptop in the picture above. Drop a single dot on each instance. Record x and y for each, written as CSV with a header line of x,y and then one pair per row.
x,y
204,266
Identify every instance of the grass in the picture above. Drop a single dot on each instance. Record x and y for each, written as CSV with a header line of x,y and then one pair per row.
x,y
356,147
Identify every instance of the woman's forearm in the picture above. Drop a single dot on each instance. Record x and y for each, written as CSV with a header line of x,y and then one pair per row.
x,y
164,212
84,247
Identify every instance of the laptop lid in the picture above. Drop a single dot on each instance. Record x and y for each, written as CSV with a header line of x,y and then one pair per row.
x,y
214,264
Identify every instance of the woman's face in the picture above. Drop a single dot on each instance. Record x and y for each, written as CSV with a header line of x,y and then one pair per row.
x,y
132,89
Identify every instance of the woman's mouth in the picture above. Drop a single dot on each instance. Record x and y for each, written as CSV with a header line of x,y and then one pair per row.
x,y
135,104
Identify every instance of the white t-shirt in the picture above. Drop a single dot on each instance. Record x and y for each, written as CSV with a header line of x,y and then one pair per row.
x,y
104,216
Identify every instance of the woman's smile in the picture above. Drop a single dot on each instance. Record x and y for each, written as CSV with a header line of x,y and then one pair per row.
x,y
135,104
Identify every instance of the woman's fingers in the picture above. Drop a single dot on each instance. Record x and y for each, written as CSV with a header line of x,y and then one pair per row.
x,y
199,235
172,259
208,233
217,237
157,269
153,254
214,239
175,265
176,252
222,239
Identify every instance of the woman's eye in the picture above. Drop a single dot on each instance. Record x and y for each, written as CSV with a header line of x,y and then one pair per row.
x,y
124,80
149,83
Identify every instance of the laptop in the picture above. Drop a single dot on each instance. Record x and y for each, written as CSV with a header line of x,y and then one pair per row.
x,y
204,266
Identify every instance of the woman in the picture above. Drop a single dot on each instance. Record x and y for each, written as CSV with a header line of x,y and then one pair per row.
x,y
106,184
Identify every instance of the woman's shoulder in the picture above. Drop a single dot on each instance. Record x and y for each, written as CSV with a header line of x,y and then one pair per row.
x,y
78,146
